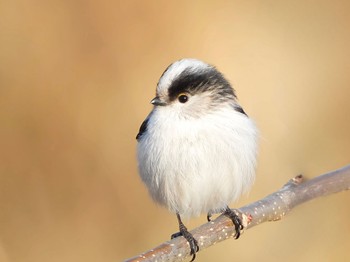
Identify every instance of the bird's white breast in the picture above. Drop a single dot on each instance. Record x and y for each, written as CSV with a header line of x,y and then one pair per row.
x,y
197,165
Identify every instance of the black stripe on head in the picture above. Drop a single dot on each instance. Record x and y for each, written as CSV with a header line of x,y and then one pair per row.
x,y
195,81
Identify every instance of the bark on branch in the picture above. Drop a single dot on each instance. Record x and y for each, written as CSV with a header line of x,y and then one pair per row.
x,y
271,208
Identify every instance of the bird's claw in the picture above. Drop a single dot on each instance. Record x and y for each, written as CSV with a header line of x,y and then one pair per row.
x,y
188,236
209,215
191,241
236,221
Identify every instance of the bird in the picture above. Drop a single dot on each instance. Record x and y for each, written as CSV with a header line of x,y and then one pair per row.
x,y
197,148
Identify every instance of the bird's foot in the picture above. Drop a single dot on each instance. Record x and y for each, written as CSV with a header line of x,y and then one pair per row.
x,y
191,241
189,237
231,214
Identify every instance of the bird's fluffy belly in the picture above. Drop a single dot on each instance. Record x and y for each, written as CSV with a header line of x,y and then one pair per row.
x,y
198,167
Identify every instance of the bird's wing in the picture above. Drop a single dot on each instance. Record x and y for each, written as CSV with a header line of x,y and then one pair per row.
x,y
239,109
143,127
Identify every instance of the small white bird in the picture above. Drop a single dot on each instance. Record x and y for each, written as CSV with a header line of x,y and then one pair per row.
x,y
197,148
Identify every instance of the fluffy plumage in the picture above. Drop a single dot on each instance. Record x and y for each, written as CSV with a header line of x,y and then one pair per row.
x,y
196,156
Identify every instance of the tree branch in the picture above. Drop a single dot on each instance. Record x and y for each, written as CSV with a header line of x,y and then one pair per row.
x,y
271,208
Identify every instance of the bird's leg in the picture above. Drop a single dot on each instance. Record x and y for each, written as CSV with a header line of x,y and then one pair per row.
x,y
209,215
236,221
188,236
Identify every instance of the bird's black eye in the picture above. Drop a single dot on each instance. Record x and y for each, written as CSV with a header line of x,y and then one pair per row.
x,y
183,98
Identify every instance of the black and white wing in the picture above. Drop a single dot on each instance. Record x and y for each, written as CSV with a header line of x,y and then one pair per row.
x,y
143,128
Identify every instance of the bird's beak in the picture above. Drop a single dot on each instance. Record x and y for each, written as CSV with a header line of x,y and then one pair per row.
x,y
157,102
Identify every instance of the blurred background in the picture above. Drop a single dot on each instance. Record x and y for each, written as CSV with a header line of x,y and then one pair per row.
x,y
76,78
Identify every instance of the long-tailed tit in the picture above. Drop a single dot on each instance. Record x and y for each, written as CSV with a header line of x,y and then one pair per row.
x,y
197,148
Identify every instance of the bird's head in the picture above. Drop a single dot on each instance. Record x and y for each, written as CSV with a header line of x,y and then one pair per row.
x,y
192,88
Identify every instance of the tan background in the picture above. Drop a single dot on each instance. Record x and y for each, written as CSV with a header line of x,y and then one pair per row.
x,y
76,78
